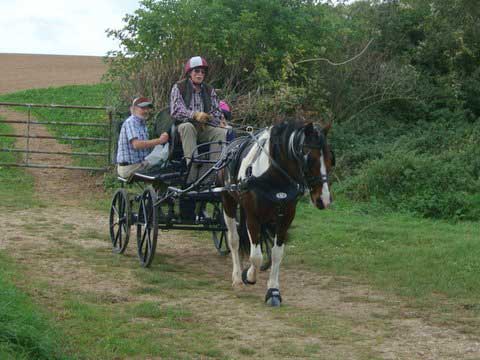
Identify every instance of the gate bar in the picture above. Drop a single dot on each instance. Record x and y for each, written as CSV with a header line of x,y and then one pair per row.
x,y
53,152
54,166
53,123
56,106
54,137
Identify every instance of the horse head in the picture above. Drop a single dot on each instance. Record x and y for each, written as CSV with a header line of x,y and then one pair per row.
x,y
311,149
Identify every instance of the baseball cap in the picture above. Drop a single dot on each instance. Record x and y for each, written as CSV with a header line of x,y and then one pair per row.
x,y
142,102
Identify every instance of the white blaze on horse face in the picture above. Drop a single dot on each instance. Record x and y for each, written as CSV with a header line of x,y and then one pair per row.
x,y
261,163
325,190
277,256
233,243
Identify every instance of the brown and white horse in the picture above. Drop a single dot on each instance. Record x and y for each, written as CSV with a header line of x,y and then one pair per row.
x,y
270,172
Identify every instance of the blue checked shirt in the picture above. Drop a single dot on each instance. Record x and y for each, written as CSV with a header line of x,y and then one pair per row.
x,y
132,128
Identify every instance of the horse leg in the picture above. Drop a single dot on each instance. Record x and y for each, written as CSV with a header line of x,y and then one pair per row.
x,y
273,296
249,276
229,211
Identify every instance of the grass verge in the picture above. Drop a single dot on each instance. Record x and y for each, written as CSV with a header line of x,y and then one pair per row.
x,y
26,332
410,256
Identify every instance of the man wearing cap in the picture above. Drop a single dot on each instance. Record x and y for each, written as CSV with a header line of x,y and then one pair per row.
x,y
195,104
133,142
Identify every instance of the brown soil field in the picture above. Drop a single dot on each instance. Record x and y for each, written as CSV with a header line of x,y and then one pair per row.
x,y
25,71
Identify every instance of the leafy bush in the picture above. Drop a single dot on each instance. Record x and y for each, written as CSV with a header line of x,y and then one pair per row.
x,y
442,186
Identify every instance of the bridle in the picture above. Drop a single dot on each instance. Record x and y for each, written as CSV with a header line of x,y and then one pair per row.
x,y
296,151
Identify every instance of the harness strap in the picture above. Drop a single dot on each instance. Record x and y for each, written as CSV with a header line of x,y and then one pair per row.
x,y
273,162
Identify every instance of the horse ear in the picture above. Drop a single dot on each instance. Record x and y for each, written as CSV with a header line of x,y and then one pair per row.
x,y
309,129
327,128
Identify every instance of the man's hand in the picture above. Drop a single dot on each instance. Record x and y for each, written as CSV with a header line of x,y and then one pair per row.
x,y
201,117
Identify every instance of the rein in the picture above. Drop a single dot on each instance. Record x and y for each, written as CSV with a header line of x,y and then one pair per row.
x,y
274,163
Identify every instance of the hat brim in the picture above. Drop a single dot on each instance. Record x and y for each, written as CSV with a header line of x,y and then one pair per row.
x,y
145,104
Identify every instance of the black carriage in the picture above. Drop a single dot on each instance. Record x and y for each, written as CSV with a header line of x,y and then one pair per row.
x,y
175,197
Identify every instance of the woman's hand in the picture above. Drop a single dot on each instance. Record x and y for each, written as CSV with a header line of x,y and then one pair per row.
x,y
163,138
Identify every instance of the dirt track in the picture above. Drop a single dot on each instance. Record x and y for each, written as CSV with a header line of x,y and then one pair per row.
x,y
379,326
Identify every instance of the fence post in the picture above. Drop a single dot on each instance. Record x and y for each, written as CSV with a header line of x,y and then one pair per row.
x,y
110,120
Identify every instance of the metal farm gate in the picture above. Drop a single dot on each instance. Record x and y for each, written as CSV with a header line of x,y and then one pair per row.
x,y
28,128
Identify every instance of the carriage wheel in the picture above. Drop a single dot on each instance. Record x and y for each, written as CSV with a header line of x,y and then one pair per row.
x,y
147,227
220,237
119,221
267,237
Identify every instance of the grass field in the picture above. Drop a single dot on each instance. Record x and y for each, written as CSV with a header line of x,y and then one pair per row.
x,y
410,256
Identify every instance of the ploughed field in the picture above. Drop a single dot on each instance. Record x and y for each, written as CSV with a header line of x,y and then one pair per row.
x,y
25,71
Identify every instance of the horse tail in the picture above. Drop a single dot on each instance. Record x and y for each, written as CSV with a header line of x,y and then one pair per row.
x,y
244,246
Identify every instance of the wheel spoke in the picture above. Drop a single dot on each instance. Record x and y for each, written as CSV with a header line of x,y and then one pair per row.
x,y
147,248
114,207
116,238
119,237
142,241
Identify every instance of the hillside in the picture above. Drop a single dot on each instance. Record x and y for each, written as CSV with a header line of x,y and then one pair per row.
x,y
25,71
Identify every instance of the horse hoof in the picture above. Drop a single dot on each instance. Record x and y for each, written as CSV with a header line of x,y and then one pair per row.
x,y
274,301
273,297
237,284
245,279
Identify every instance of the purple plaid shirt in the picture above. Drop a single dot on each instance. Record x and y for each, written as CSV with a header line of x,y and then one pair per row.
x,y
179,110
132,128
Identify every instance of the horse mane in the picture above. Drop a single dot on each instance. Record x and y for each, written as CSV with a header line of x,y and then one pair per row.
x,y
283,129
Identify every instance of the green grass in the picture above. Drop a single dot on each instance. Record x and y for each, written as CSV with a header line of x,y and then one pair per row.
x,y
410,256
85,95
26,332
16,186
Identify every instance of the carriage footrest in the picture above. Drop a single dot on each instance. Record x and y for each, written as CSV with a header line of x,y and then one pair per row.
x,y
157,177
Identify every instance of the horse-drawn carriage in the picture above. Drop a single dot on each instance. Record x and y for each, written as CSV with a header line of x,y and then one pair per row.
x,y
250,193
174,197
